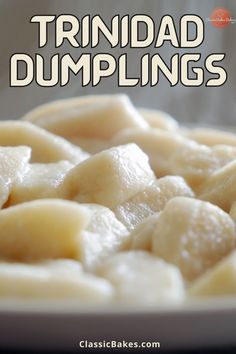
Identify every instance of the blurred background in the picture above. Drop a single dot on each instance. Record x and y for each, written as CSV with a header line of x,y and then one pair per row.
x,y
187,104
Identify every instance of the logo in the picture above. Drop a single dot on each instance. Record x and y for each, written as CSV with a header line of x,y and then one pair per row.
x,y
221,18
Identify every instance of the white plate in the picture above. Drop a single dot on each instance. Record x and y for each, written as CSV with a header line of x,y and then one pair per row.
x,y
54,325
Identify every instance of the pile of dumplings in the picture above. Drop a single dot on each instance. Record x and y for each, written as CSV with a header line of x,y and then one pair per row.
x,y
104,203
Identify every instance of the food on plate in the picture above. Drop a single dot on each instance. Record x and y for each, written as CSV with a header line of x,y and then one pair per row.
x,y
196,162
151,200
41,181
58,279
158,144
232,212
159,119
211,137
90,117
224,154
103,236
13,168
46,147
139,277
111,177
42,229
172,154
219,188
192,234
102,202
219,280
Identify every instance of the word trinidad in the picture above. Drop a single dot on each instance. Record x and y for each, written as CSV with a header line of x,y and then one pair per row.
x,y
123,32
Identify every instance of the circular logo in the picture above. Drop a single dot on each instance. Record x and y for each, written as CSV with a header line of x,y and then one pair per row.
x,y
220,17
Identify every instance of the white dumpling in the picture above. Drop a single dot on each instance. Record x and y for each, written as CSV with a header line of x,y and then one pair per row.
x,y
111,177
219,188
42,229
224,153
172,154
151,200
139,277
89,117
232,211
103,236
192,234
46,147
13,168
159,119
211,137
90,145
59,279
218,281
42,181
158,144
194,162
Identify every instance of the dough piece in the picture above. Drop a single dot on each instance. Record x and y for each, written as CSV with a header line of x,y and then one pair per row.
x,y
151,200
211,137
89,117
232,212
103,236
141,237
46,147
13,167
90,145
219,188
220,280
139,277
159,145
4,192
194,162
159,119
14,163
53,279
42,229
111,177
193,235
172,154
224,154
42,181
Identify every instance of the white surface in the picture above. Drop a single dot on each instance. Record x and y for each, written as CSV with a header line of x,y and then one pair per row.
x,y
57,326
